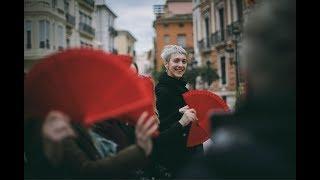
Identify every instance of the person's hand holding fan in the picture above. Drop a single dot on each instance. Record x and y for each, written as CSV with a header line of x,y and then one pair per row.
x,y
203,102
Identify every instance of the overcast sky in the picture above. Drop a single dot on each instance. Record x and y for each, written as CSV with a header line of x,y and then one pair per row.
x,y
136,16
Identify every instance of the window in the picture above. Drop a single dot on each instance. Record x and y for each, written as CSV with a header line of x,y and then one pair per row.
x,y
53,36
89,23
28,29
224,98
129,49
44,34
239,9
54,3
60,37
221,18
85,18
181,25
68,42
223,70
181,40
66,6
166,39
206,21
165,25
81,16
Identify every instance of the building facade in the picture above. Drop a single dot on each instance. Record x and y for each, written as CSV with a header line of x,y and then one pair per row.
x,y
105,31
53,25
124,43
218,29
144,63
173,25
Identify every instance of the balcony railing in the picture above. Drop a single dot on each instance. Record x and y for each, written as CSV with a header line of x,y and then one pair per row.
x,y
234,26
217,37
44,44
86,28
37,4
87,3
70,19
201,44
204,44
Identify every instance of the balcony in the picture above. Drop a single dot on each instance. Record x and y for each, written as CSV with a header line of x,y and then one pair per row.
x,y
86,29
42,7
71,20
217,37
235,26
220,37
204,45
201,44
87,3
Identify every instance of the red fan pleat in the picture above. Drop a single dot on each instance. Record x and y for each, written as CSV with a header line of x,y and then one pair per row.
x,y
203,102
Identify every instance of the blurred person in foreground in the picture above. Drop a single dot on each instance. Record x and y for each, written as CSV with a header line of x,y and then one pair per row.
x,y
258,141
58,148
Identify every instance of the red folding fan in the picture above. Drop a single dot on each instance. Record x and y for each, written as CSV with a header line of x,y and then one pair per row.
x,y
150,108
89,85
203,102
126,59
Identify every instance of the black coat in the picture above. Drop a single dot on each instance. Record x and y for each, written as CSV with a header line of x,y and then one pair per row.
x,y
170,147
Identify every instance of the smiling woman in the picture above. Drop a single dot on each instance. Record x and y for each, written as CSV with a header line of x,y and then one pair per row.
x,y
175,117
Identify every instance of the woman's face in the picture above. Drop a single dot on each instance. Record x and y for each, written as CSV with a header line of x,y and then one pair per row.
x,y
176,67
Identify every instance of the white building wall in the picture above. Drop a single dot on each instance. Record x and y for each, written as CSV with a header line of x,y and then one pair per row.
x,y
104,20
197,34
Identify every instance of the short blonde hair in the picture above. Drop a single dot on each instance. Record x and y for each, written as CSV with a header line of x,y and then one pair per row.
x,y
168,50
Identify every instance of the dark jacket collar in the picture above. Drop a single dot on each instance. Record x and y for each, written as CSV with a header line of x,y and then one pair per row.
x,y
165,79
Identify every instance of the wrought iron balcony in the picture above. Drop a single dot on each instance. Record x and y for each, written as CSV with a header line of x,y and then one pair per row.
x,y
217,37
86,28
88,3
71,20
235,28
204,44
201,44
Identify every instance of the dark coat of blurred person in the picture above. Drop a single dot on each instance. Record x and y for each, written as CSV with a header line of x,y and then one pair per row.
x,y
80,157
259,140
170,149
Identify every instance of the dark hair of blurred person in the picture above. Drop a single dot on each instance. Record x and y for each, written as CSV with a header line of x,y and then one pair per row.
x,y
258,141
134,67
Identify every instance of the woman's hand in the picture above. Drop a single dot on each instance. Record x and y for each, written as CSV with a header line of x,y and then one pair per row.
x,y
183,109
144,130
188,116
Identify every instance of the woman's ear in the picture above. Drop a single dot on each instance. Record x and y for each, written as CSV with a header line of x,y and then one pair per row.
x,y
166,65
